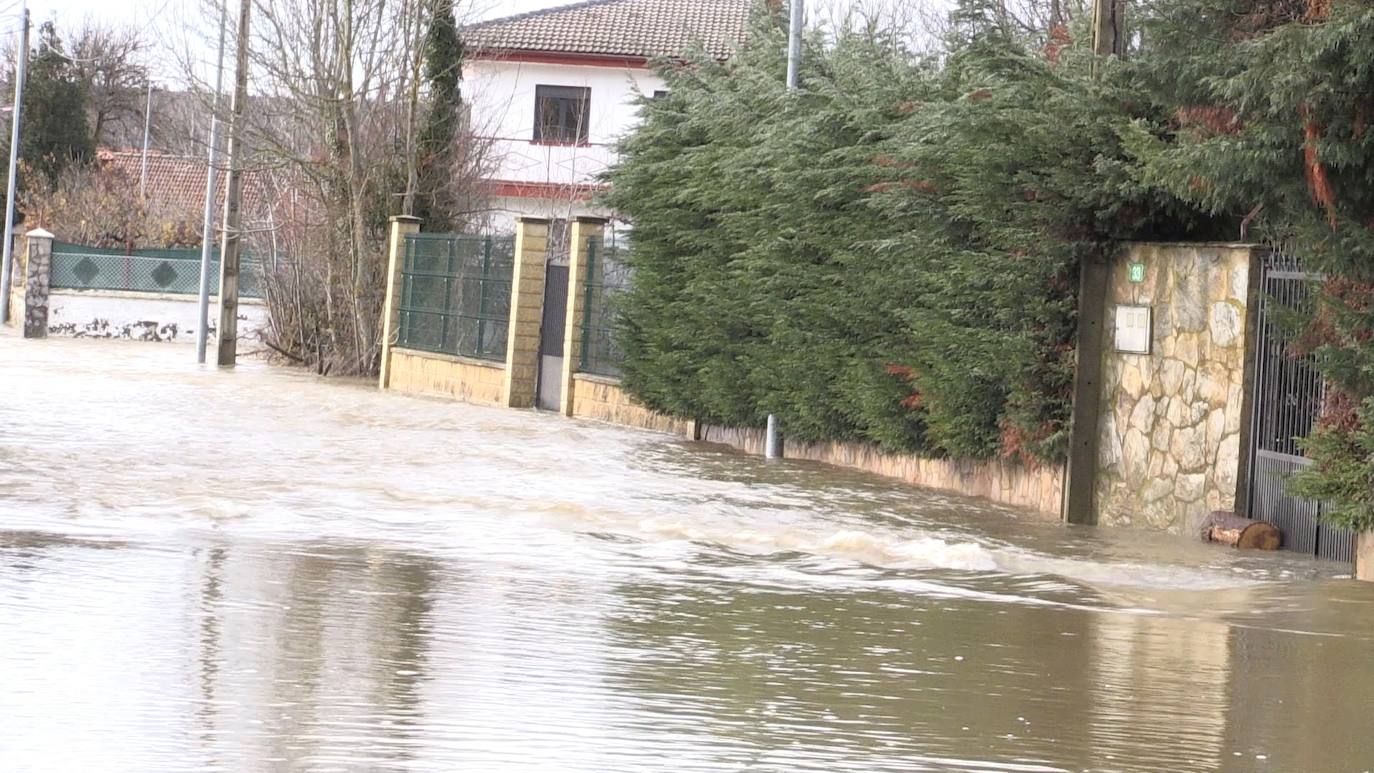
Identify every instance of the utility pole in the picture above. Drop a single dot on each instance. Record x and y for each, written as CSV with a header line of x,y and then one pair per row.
x,y
1079,503
772,436
233,192
207,227
794,36
21,71
147,122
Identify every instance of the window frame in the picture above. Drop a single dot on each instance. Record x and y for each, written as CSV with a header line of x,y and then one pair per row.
x,y
568,99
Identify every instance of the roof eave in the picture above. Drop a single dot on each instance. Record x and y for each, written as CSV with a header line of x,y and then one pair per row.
x,y
580,58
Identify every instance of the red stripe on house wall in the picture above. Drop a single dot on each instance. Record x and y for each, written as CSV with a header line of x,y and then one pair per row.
x,y
543,190
561,57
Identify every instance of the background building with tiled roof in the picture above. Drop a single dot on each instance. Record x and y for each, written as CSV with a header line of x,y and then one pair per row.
x,y
178,182
552,90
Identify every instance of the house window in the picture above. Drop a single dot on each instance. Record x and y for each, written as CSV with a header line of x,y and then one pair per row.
x,y
561,114
660,94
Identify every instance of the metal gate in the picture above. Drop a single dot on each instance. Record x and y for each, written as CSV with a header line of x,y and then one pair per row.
x,y
1288,393
552,330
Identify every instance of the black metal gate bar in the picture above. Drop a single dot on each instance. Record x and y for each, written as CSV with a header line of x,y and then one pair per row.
x,y
1288,400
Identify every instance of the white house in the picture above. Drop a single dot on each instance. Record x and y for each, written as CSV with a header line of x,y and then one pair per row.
x,y
551,91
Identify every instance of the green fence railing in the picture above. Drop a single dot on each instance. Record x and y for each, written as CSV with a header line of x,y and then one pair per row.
x,y
607,277
455,294
78,267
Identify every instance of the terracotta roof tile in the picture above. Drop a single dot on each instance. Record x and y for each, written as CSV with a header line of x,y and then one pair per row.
x,y
630,28
179,181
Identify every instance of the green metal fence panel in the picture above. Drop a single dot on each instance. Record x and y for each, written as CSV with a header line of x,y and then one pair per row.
x,y
176,272
455,294
607,277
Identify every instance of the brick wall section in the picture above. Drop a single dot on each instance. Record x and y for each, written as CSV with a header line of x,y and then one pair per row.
x,y
526,312
401,227
443,375
1172,420
584,229
602,399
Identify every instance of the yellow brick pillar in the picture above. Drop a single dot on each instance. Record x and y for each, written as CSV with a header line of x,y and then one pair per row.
x,y
588,239
526,312
401,227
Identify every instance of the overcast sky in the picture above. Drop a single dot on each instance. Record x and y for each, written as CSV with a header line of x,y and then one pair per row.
x,y
140,12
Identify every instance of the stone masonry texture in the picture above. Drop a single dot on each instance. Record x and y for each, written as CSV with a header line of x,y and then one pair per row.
x,y
1171,422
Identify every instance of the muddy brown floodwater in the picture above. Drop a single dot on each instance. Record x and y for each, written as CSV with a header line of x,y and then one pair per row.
x,y
258,570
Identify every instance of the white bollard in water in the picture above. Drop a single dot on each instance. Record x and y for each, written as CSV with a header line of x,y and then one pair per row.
x,y
772,444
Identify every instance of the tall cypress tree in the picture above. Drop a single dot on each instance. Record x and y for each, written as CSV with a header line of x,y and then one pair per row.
x,y
435,202
55,133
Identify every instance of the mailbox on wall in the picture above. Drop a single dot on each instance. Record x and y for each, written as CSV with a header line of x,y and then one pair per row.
x,y
1133,329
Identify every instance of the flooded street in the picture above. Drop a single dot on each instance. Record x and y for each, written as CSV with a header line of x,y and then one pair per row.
x,y
258,570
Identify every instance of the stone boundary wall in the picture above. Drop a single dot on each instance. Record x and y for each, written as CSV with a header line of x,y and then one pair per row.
x,y
444,375
602,399
1173,420
1034,488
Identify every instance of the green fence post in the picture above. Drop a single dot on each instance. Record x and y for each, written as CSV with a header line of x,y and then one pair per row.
x,y
481,347
587,305
448,299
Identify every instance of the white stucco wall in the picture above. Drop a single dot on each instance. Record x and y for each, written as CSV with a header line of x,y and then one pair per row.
x,y
502,97
140,316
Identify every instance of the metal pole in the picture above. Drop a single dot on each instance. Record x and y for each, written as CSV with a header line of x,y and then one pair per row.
x,y
227,352
147,122
207,227
794,37
772,443
7,256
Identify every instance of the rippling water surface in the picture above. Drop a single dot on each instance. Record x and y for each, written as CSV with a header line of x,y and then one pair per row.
x,y
258,571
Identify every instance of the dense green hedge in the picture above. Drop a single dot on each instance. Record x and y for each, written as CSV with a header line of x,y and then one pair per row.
x,y
889,255
1272,102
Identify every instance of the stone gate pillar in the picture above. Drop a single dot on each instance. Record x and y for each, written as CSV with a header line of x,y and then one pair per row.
x,y
526,312
588,238
401,227
37,282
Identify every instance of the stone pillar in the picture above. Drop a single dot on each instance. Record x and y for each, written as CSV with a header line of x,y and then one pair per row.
x,y
1364,556
401,226
526,312
585,231
37,278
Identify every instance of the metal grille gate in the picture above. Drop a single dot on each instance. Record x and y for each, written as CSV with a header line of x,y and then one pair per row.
x,y
1287,401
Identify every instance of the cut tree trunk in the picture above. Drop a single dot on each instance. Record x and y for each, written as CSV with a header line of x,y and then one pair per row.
x,y
1240,532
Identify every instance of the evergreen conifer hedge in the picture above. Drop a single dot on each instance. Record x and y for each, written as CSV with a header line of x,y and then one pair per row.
x,y
888,255
1271,104
891,254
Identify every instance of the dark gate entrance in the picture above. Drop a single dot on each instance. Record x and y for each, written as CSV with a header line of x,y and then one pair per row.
x,y
551,333
1288,399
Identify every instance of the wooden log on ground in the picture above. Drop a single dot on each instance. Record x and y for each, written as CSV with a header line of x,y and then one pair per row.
x,y
1240,532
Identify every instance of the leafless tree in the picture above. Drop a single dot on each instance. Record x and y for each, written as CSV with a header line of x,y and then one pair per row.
x,y
331,122
111,60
